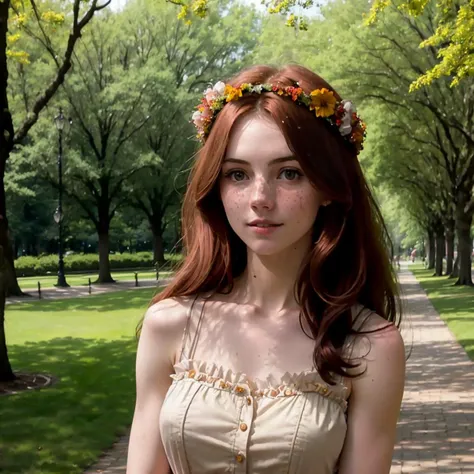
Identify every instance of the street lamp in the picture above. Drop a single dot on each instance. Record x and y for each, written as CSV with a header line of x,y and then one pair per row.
x,y
60,121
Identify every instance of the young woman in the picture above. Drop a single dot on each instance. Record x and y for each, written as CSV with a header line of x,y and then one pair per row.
x,y
275,348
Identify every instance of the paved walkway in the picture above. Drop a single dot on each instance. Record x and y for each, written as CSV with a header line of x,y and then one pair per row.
x,y
77,291
436,427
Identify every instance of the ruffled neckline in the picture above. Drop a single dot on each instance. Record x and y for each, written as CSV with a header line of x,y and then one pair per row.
x,y
289,384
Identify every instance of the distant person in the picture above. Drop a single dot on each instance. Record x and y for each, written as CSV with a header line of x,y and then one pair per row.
x,y
247,362
413,255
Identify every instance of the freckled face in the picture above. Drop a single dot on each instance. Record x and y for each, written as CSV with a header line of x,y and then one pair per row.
x,y
260,178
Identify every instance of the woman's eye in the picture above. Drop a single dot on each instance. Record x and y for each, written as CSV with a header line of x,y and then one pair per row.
x,y
239,175
291,174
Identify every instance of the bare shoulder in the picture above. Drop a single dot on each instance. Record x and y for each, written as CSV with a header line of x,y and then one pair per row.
x,y
375,398
380,346
167,318
383,330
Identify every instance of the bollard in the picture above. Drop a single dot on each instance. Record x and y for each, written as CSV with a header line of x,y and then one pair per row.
x,y
90,287
39,290
136,279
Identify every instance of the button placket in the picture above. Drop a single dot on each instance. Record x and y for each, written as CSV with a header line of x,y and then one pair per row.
x,y
244,424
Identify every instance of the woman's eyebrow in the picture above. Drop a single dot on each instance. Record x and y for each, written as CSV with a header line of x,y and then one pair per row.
x,y
276,160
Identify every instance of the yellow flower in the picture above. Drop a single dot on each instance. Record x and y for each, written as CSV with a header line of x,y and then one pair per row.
x,y
232,93
323,101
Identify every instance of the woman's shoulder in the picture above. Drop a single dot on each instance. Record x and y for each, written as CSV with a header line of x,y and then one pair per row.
x,y
364,319
379,338
169,316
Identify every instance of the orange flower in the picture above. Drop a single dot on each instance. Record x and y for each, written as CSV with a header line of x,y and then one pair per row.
x,y
294,92
232,93
323,101
358,136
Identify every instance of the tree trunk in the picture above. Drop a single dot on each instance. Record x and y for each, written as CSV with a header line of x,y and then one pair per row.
x,y
158,249
463,231
104,261
440,250
455,272
449,248
431,250
156,225
6,373
103,228
11,282
6,145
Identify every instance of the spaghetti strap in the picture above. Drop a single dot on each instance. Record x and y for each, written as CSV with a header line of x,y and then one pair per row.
x,y
189,329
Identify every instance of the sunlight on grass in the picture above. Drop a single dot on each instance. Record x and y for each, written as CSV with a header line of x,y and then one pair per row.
x,y
89,345
455,304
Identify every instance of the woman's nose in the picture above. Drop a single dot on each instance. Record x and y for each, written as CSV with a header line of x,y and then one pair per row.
x,y
262,195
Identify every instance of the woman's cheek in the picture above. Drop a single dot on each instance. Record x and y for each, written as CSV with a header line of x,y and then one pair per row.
x,y
232,199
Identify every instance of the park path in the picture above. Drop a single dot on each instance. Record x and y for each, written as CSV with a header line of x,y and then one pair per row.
x,y
436,427
79,291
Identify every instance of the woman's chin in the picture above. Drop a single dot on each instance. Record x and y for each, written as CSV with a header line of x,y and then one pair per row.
x,y
265,248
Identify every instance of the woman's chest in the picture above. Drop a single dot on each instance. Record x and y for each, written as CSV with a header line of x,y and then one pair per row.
x,y
231,424
255,347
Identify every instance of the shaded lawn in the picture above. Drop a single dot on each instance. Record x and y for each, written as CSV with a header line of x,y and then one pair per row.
x,y
455,304
48,281
89,344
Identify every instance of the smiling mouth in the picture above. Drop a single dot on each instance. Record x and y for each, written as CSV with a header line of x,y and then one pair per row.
x,y
263,226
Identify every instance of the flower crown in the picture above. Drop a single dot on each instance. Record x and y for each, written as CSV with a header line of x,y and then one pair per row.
x,y
340,114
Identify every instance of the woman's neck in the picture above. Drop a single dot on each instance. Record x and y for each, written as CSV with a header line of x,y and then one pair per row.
x,y
268,281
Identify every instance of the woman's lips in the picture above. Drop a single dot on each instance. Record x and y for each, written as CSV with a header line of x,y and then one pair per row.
x,y
267,230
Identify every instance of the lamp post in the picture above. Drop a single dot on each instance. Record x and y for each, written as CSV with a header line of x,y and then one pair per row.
x,y
58,215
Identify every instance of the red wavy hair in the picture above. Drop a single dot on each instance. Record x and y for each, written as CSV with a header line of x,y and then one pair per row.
x,y
350,261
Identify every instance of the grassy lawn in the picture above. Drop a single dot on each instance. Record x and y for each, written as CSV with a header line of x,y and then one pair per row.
x,y
454,304
89,344
28,283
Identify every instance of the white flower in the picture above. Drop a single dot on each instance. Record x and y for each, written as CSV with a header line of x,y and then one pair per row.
x,y
346,126
345,129
219,87
258,88
349,107
197,118
210,95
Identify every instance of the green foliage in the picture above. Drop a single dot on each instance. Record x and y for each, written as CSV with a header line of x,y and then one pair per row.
x,y
452,38
29,266
410,152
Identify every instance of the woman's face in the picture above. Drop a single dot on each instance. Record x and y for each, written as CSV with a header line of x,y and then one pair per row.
x,y
261,179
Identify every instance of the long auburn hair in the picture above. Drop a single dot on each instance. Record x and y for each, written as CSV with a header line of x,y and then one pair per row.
x,y
350,261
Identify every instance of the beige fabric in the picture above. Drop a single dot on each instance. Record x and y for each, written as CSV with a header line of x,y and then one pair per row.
x,y
216,421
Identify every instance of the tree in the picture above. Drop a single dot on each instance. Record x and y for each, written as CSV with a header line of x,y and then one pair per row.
x,y
452,37
191,56
375,67
12,136
110,102
434,117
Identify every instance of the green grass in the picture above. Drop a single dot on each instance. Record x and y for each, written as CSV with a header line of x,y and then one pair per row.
x,y
89,344
455,304
28,283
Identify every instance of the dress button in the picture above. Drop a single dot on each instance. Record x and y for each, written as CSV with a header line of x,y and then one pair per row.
x,y
249,400
243,426
240,457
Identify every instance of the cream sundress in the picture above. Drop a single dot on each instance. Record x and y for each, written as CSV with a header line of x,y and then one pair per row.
x,y
214,420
